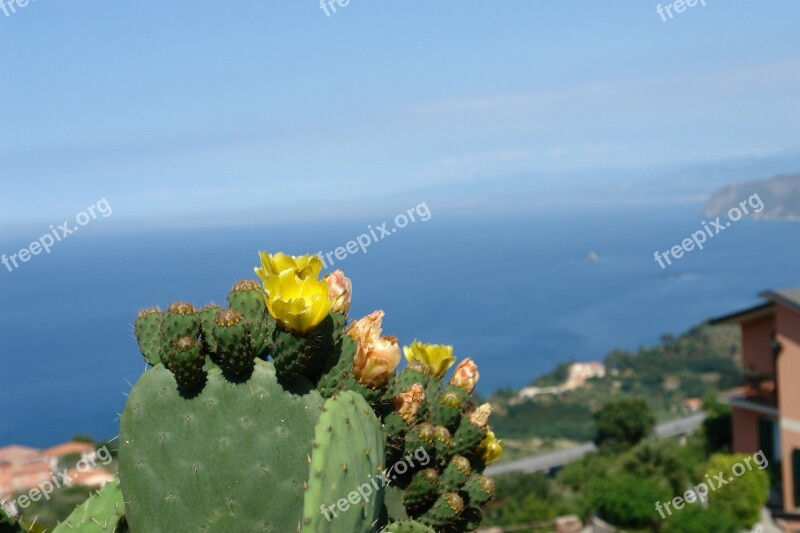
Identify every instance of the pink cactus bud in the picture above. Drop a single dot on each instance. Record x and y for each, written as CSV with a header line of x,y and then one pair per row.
x,y
407,403
466,375
340,290
376,356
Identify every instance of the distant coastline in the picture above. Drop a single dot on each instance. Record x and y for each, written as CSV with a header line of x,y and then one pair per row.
x,y
780,194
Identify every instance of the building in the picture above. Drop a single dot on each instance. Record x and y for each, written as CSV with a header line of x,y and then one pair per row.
x,y
766,410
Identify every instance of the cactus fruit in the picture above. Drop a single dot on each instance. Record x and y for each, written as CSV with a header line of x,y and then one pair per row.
x,y
325,437
104,512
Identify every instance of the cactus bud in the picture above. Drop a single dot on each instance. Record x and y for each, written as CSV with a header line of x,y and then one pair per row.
x,y
487,484
376,357
466,375
454,502
246,285
145,312
480,416
340,290
227,318
181,308
491,448
407,403
461,464
452,400
426,432
442,434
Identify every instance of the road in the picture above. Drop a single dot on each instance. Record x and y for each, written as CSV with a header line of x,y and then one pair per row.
x,y
548,461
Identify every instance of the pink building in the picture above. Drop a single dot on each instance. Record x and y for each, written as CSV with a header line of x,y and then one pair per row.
x,y
766,410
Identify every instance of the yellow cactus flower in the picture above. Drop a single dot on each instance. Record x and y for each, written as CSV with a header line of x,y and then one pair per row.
x,y
273,264
299,304
491,448
437,357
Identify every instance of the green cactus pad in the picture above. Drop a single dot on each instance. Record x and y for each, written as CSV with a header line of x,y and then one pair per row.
x,y
479,490
467,438
345,466
456,473
104,512
185,360
248,298
231,458
303,354
407,526
207,316
422,491
234,351
445,512
148,334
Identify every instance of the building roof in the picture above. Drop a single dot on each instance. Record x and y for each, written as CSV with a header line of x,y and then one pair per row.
x,y
787,297
69,448
18,454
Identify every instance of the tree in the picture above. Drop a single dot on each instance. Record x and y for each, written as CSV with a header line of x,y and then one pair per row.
x,y
623,423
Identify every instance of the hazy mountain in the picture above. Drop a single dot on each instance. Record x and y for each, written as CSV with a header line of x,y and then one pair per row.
x,y
780,196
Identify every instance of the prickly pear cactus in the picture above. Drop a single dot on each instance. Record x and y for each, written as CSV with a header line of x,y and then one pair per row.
x,y
275,414
104,512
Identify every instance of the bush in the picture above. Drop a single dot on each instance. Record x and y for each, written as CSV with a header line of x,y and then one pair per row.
x,y
522,498
695,519
742,497
626,500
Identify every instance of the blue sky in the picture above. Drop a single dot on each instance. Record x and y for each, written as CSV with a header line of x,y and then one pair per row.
x,y
180,109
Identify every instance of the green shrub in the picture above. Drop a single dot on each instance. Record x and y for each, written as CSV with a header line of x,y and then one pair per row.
x,y
626,500
742,497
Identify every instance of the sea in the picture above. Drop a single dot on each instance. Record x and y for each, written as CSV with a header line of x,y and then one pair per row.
x,y
518,293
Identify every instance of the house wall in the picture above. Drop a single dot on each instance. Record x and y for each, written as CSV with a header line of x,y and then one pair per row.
x,y
788,326
757,344
745,431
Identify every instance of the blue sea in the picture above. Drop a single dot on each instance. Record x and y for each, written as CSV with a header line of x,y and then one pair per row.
x,y
518,294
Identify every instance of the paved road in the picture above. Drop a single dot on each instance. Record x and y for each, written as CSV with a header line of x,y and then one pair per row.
x,y
548,461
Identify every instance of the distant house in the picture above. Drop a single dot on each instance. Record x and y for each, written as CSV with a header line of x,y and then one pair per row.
x,y
75,451
766,410
23,468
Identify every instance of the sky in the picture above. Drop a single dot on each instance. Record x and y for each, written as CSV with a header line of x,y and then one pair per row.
x,y
183,109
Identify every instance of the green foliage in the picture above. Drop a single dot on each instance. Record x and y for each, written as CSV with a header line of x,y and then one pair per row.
x,y
694,518
62,502
622,424
718,425
742,497
704,360
627,500
524,498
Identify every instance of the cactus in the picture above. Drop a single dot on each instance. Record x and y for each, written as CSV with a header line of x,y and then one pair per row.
x,y
276,415
104,512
